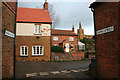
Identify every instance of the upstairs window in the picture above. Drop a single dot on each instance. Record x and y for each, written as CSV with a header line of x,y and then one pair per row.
x,y
23,50
71,39
55,38
37,50
37,29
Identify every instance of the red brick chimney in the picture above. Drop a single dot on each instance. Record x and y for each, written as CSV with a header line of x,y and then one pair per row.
x,y
73,29
46,5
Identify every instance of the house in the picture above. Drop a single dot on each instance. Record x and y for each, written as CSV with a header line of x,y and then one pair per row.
x,y
33,34
81,34
7,39
107,37
66,39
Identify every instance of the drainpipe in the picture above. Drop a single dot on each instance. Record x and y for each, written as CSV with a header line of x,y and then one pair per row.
x,y
92,9
51,43
14,75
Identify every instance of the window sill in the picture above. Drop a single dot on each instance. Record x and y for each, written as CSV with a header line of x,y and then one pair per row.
x,y
53,40
23,56
37,33
37,55
71,41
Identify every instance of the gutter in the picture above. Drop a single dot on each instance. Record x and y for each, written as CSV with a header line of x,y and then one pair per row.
x,y
14,73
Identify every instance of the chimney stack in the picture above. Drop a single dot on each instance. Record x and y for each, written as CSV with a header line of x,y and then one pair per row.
x,y
73,29
46,5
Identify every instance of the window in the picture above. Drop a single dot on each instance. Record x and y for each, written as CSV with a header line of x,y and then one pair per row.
x,y
37,50
55,38
24,51
71,39
37,29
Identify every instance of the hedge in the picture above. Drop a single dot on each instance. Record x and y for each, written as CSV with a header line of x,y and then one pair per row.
x,y
57,49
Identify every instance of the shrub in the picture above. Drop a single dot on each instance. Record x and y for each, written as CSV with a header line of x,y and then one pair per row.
x,y
57,49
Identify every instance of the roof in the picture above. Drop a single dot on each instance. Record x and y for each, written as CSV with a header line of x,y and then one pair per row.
x,y
32,15
80,43
63,32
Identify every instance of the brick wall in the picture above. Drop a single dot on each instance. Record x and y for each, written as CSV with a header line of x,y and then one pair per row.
x,y
67,56
62,37
107,45
8,22
30,41
118,41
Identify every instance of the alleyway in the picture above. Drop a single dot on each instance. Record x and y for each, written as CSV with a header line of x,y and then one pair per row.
x,y
75,69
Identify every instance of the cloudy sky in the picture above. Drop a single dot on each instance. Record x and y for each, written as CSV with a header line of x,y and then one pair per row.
x,y
69,12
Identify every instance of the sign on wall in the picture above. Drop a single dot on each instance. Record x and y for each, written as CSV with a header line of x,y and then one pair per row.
x,y
10,34
105,30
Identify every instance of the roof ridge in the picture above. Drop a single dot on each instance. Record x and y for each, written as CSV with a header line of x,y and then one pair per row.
x,y
30,8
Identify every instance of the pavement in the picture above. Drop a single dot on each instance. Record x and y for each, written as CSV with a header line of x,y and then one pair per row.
x,y
74,69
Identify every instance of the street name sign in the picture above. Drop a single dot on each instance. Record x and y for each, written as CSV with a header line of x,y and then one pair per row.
x,y
10,34
105,30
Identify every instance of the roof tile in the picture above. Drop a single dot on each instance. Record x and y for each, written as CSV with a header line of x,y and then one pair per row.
x,y
63,32
32,15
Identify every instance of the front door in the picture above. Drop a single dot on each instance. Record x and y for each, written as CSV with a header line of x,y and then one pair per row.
x,y
67,47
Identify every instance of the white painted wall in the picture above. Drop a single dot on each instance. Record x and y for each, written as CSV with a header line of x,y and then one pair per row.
x,y
28,29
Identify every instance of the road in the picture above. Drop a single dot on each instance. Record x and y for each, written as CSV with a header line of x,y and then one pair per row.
x,y
75,69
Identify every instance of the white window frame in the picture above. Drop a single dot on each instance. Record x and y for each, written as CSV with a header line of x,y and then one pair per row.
x,y
37,29
55,38
24,51
36,50
71,39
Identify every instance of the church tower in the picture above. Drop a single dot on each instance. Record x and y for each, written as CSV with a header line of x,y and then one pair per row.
x,y
80,32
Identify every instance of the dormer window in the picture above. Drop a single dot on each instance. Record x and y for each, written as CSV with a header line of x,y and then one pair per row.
x,y
37,29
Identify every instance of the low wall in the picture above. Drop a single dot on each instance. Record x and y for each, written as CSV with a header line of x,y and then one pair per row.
x,y
67,56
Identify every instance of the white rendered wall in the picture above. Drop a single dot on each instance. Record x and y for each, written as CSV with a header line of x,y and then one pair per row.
x,y
28,29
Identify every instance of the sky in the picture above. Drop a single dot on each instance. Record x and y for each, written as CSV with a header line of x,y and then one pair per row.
x,y
69,12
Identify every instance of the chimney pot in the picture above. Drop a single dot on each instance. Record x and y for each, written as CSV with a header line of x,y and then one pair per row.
x,y
46,5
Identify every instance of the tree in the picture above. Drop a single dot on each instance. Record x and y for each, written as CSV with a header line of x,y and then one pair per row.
x,y
55,19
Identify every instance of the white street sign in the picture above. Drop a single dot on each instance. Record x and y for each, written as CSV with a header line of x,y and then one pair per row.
x,y
105,30
10,34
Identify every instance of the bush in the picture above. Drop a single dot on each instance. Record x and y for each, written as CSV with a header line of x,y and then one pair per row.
x,y
57,49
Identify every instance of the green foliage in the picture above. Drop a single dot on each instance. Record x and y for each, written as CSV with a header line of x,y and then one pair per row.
x,y
89,43
57,49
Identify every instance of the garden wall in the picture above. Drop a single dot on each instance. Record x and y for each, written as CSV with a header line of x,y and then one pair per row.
x,y
67,56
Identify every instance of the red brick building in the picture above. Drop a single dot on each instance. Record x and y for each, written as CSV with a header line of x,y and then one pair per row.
x,y
33,34
8,38
107,28
65,38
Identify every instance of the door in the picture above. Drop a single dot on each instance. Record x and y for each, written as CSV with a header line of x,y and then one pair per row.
x,y
67,47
